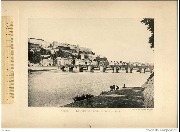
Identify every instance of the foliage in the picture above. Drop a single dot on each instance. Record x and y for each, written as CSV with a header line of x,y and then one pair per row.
x,y
150,26
45,52
34,57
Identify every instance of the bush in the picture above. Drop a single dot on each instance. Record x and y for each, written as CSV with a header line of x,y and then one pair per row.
x,y
82,97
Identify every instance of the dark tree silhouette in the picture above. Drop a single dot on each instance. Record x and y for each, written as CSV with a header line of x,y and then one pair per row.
x,y
34,57
150,26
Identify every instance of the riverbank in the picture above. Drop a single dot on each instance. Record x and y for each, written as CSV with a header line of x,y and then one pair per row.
x,y
130,97
42,68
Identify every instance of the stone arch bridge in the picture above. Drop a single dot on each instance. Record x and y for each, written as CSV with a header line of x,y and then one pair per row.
x,y
103,68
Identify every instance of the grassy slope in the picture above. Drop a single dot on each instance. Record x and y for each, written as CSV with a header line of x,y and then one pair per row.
x,y
123,98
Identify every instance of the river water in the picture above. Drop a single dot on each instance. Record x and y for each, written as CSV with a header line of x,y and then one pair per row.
x,y
55,89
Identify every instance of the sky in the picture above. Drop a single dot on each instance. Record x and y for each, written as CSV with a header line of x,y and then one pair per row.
x,y
115,38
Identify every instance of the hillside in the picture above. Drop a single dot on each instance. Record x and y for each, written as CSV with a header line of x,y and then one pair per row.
x,y
38,48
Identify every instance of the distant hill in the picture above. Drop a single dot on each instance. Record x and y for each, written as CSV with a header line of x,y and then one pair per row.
x,y
39,47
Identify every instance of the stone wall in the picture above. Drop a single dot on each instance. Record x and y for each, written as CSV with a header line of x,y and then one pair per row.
x,y
149,92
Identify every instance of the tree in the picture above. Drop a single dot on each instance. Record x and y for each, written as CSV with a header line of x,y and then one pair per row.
x,y
101,60
150,26
30,56
34,57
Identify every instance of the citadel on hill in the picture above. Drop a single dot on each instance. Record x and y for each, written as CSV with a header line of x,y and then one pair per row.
x,y
43,53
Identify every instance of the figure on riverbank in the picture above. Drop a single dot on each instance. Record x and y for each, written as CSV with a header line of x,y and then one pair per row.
x,y
112,88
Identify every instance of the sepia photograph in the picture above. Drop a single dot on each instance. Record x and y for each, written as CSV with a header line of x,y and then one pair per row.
x,y
91,63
